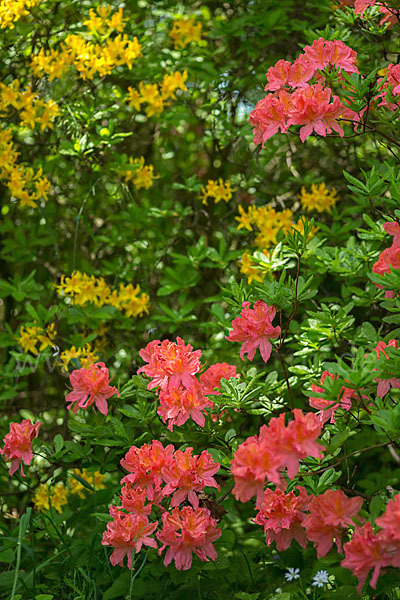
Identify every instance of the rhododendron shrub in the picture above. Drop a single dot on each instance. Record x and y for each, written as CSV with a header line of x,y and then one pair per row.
x,y
175,178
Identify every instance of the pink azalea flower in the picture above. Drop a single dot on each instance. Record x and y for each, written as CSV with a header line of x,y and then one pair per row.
x,y
211,378
390,257
170,364
278,75
255,461
18,444
134,498
360,6
367,551
188,474
145,465
254,328
178,404
186,531
328,407
297,440
330,515
384,385
91,386
282,515
311,107
270,115
390,521
393,227
125,532
325,52
301,71
259,458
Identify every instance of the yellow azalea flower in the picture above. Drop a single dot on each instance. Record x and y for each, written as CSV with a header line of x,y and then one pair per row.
x,y
67,356
134,98
47,496
219,190
300,227
30,336
184,31
248,268
12,10
173,82
140,174
95,479
320,198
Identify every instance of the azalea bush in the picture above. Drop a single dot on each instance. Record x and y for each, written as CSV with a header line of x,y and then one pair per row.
x,y
200,316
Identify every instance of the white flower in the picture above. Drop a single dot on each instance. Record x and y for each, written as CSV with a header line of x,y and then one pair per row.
x,y
292,574
320,578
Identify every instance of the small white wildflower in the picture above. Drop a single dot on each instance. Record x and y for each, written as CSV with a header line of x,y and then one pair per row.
x,y
320,578
292,574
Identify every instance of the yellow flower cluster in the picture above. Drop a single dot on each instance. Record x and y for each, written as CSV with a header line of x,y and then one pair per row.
x,y
140,174
83,288
155,95
54,496
248,268
32,109
95,479
184,31
85,355
320,198
30,337
88,57
103,22
12,10
267,220
219,190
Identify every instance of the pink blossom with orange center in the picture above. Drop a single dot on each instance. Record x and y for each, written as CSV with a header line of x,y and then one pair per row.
x,y
367,551
384,385
330,515
178,404
18,444
254,329
312,108
186,531
390,522
91,386
360,6
255,461
145,465
211,378
125,532
328,407
260,458
326,52
282,515
170,364
393,227
187,474
297,440
134,499
270,115
390,257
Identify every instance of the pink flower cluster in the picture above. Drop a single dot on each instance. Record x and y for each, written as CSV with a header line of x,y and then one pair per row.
x,y
18,444
320,519
260,458
370,551
173,369
328,407
254,329
360,6
390,257
384,385
293,100
155,473
90,386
